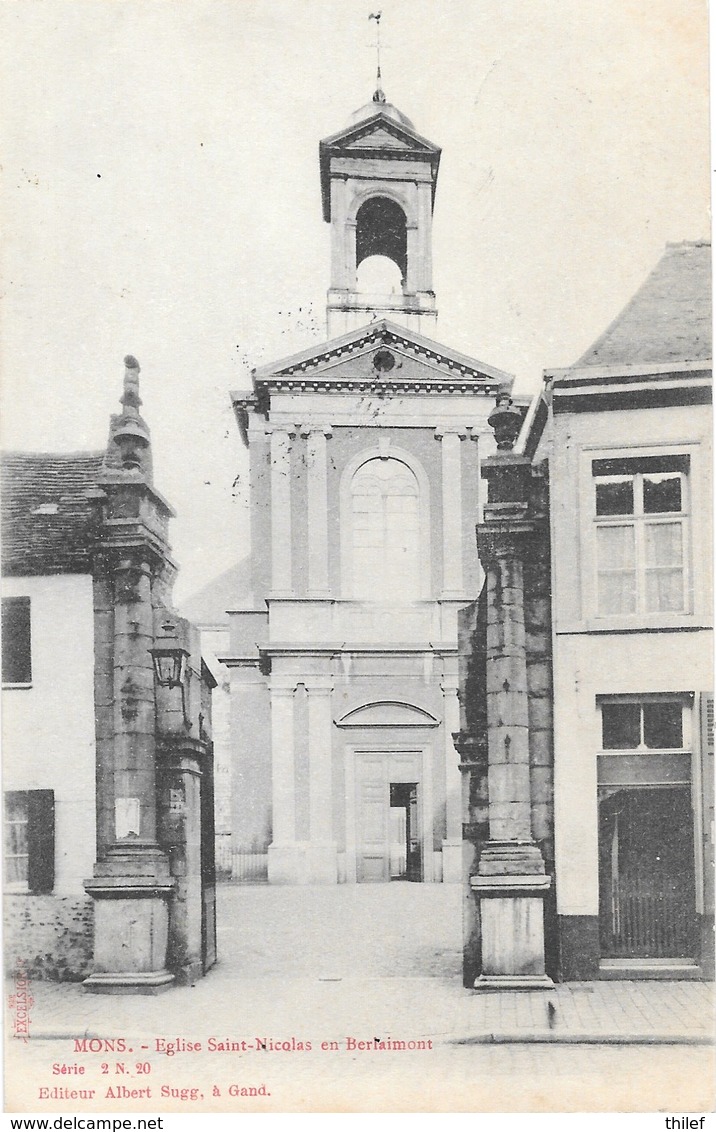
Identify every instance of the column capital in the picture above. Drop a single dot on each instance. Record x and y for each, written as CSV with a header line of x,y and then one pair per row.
x,y
317,688
308,430
278,430
460,431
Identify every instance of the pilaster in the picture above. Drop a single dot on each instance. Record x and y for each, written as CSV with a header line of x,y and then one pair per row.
x,y
316,455
281,546
452,845
450,440
283,765
322,850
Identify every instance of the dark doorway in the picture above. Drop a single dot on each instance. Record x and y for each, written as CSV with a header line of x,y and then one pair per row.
x,y
646,872
405,857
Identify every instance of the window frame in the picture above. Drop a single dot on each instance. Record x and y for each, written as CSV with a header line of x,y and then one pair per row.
x,y
640,521
384,451
585,614
40,836
685,699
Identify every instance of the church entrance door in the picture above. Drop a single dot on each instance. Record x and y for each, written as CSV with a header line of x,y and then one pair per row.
x,y
389,822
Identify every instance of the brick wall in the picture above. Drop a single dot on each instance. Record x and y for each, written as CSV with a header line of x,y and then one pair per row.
x,y
52,934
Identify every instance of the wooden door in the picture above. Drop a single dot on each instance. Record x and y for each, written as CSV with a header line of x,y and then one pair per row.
x,y
372,824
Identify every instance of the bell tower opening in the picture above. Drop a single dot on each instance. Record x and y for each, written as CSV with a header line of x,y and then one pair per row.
x,y
378,180
382,231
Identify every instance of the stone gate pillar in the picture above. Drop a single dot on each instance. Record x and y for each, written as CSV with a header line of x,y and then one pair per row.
x,y
511,882
132,883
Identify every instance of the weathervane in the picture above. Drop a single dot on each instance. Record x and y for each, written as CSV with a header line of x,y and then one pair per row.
x,y
379,96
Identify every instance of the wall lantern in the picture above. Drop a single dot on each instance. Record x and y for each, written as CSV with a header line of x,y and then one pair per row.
x,y
170,653
169,665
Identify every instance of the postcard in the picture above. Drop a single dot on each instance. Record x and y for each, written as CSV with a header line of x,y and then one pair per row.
x,y
356,554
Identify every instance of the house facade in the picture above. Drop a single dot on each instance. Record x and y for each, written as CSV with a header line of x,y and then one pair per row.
x,y
602,513
364,455
108,782
49,753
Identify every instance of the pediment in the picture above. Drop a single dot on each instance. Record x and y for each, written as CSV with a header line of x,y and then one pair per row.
x,y
388,713
382,356
377,132
379,138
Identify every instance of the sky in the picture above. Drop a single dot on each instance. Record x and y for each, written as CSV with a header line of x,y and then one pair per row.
x,y
161,197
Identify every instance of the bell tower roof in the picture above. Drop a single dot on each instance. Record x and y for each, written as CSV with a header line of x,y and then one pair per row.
x,y
377,130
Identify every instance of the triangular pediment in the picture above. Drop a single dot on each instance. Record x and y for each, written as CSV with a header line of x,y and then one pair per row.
x,y
381,355
376,132
379,138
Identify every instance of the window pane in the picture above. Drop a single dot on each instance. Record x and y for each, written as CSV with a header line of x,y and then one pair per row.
x,y
662,493
663,725
616,593
16,836
621,727
16,870
615,496
664,591
16,840
616,547
663,544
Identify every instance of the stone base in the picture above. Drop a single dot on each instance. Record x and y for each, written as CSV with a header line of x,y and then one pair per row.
x,y
452,862
109,982
512,924
303,862
131,889
513,982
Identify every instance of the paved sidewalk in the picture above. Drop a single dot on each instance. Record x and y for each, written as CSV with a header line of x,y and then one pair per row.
x,y
370,961
436,1009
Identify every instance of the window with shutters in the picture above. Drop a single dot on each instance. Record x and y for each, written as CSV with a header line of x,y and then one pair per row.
x,y
16,641
29,841
641,520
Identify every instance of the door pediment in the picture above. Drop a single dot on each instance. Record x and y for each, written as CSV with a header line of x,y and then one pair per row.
x,y
388,713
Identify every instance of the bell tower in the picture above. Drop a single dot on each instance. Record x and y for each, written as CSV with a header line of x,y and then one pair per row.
x,y
378,180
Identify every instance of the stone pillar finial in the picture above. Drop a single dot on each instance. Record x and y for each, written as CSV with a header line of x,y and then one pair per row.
x,y
128,431
130,395
506,421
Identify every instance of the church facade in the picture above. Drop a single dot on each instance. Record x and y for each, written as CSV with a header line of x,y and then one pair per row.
x,y
365,458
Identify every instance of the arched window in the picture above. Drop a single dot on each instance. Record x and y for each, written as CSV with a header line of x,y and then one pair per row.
x,y
381,230
385,532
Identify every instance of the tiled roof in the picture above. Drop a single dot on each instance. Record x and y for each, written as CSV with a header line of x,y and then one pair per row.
x,y
668,319
47,524
230,590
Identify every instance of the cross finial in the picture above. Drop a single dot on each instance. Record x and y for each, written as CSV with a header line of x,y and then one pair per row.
x,y
378,96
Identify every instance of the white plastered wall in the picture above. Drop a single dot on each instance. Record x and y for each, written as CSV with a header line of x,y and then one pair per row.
x,y
596,657
48,729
